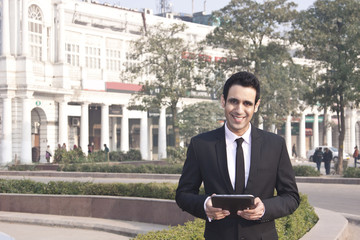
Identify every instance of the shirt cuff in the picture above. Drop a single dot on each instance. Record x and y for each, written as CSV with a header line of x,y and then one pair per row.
x,y
206,200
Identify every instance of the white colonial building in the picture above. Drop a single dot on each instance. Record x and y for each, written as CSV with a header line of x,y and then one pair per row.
x,y
60,82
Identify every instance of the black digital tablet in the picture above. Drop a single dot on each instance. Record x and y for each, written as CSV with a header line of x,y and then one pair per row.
x,y
233,203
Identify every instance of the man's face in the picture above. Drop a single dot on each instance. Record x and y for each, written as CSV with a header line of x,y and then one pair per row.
x,y
239,108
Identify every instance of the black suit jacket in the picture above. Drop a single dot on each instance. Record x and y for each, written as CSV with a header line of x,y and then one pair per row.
x,y
270,169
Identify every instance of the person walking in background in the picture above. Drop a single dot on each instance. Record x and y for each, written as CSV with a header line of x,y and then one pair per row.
x,y
327,156
356,155
238,158
318,157
294,151
89,149
106,149
48,154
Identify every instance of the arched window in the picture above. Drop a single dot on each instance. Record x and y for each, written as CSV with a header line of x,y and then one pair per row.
x,y
35,32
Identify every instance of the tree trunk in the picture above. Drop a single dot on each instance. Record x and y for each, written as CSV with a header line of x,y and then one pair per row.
x,y
341,136
326,126
176,135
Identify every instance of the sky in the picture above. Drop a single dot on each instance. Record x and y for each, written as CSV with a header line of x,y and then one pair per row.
x,y
185,6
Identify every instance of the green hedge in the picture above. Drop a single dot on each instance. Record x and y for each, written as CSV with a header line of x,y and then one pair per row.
x,y
306,171
62,156
352,172
291,227
152,168
123,168
149,190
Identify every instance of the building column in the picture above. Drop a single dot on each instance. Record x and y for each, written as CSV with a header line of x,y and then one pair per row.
x,y
5,28
288,135
124,130
316,130
329,131
6,141
84,127
26,153
162,135
63,123
61,32
302,136
25,27
105,129
114,134
144,138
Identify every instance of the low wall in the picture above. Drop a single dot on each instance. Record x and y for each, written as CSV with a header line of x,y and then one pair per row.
x,y
157,211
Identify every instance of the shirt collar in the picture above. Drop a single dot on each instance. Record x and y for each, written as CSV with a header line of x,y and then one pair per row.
x,y
231,137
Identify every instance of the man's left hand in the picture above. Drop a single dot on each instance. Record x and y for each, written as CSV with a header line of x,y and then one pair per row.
x,y
255,213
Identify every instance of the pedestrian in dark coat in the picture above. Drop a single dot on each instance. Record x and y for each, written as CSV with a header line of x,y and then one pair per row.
x,y
327,160
318,157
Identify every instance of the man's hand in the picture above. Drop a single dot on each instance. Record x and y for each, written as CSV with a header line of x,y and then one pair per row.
x,y
215,213
255,213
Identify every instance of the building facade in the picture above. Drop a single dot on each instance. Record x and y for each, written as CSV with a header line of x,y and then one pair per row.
x,y
59,83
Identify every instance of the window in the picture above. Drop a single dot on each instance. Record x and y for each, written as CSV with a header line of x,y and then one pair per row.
x,y
131,63
92,57
35,32
113,60
72,54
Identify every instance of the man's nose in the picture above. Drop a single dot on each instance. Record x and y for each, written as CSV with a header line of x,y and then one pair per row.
x,y
240,107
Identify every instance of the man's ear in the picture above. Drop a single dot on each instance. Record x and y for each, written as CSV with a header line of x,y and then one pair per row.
x,y
257,106
223,102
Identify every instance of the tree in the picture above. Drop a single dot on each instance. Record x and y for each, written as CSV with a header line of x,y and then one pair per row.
x,y
168,63
329,34
200,117
251,34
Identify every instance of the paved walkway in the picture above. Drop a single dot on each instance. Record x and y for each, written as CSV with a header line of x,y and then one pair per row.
x,y
28,226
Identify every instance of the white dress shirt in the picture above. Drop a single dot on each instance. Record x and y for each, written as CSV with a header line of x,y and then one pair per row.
x,y
231,145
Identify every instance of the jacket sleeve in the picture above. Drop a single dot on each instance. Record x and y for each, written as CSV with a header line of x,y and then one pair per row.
x,y
287,198
187,193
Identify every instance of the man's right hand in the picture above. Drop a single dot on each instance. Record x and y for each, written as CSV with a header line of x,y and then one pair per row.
x,y
215,213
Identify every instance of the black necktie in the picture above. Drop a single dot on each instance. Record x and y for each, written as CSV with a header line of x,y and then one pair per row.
x,y
240,170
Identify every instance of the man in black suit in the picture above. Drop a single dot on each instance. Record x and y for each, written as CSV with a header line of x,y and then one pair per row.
x,y
212,160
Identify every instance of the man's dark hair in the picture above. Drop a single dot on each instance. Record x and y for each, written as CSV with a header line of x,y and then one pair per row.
x,y
244,79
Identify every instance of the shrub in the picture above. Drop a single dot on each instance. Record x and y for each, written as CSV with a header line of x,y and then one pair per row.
x,y
305,171
352,172
62,156
117,156
99,156
291,227
300,222
22,167
133,155
123,168
72,156
176,154
149,190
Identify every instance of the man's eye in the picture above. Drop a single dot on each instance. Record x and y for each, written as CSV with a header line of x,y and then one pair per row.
x,y
233,101
248,103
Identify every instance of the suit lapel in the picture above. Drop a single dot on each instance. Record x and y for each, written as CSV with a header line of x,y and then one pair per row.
x,y
256,146
222,158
